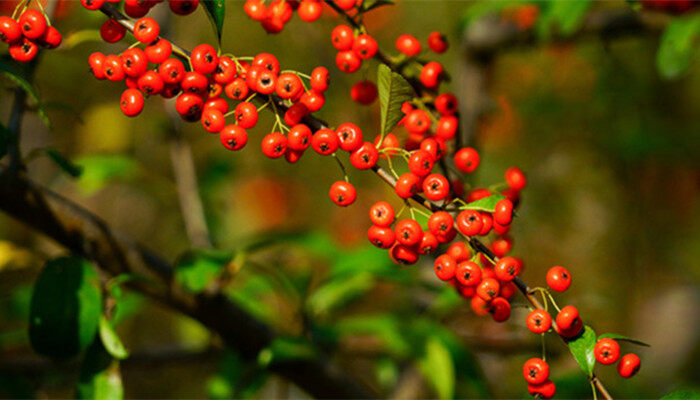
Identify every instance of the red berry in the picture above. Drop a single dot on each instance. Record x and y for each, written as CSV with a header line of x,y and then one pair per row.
x,y
52,38
309,10
146,30
111,31
349,136
320,79
441,224
408,232
312,100
233,137
629,365
324,141
606,351
488,289
365,46
92,4
342,193
437,42
567,317
204,59
345,4
468,273
381,214
365,157
381,236
407,185
189,106
446,104
288,86
503,212
131,102
237,89
447,127
417,121
420,162
10,30
33,24
544,390
405,255
428,243
194,82
213,120
135,9
171,70
436,187
255,9
445,267
516,179
24,50
538,321
245,114
299,137
408,45
267,61
113,69
226,71
274,145
536,371
480,306
364,92
507,268
348,61
558,278
500,309
183,7
342,37
158,51
469,222
467,160
134,62
430,74
96,62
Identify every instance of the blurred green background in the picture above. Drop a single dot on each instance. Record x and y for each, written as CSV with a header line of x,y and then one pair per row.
x,y
610,148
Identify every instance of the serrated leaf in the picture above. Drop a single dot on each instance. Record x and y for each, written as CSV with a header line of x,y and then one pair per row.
x,y
678,47
66,165
683,394
438,369
111,341
20,77
99,377
339,292
487,204
394,90
582,349
216,11
65,308
284,349
623,338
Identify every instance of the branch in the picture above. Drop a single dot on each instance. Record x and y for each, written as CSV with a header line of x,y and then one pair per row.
x,y
85,234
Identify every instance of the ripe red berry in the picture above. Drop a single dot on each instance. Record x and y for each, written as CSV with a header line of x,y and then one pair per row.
x,y
348,61
567,317
349,136
469,222
507,268
342,193
629,365
606,351
365,46
437,42
381,236
233,137
134,62
544,390
255,9
237,89
515,178
171,70
146,30
194,82
440,223
10,30
135,9
558,278
23,50
405,255
111,31
33,24
488,289
312,100
288,86
503,212
96,63
342,37
183,7
365,157
274,145
428,243
447,127
51,39
219,104
189,106
324,141
536,371
436,187
92,4
113,69
479,306
407,185
299,137
213,120
408,232
381,214
204,59
434,146
467,161
364,92
417,121
131,102
309,10
500,309
158,51
468,273
226,71
245,114
345,4
320,79
445,267
446,104
430,74
538,321
408,45
420,162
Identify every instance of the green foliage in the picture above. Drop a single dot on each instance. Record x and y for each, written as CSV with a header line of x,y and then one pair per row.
x,y
394,90
196,269
682,394
339,292
236,379
678,48
65,308
561,17
385,327
101,169
622,338
582,349
111,341
487,204
216,11
99,377
438,369
66,164
284,349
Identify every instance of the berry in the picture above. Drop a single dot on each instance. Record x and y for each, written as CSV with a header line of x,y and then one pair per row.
x,y
408,45
342,37
204,59
349,136
417,121
573,331
158,51
536,371
96,63
446,104
213,120
516,179
288,86
131,102
544,390
150,83
134,62
10,30
33,24
345,4
312,100
430,74
92,4
364,92
381,236
408,232
348,61
309,10
381,214
479,306
436,187
507,268
488,289
320,79
500,309
113,69
447,127
24,50
606,351
467,161
274,145
245,114
365,157
365,46
407,185
468,273
629,365
146,30
233,137
325,141
255,9
189,106
299,137
404,254
183,7
434,147
420,162
171,70
437,42
52,38
226,71
538,321
445,267
503,212
441,224
267,61
342,193
237,89
469,222
111,31
558,278
428,243
567,317
194,82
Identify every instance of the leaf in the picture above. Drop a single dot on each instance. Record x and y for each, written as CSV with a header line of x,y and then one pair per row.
x,y
438,369
66,165
385,327
487,204
20,77
65,308
99,376
338,292
101,169
111,341
394,90
582,349
216,11
622,338
564,17
678,48
284,349
682,394
196,269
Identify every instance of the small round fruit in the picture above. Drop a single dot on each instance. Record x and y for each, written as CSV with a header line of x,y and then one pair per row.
x,y
342,193
606,351
538,321
629,365
558,278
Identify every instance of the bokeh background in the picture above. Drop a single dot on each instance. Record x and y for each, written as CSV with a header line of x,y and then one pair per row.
x,y
611,150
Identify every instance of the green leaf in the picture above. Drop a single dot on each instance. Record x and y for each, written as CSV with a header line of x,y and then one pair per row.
x,y
394,90
682,394
99,377
385,327
582,349
438,369
101,169
196,269
111,341
284,349
487,204
339,292
622,338
20,77
216,11
65,308
678,47
66,165
564,17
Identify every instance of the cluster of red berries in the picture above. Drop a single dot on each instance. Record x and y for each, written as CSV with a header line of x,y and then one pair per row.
x,y
275,15
24,35
139,8
670,6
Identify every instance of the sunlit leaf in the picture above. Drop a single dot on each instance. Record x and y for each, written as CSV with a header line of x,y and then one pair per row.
x,y
394,90
622,338
101,169
487,204
582,349
678,48
216,11
99,376
111,341
438,369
